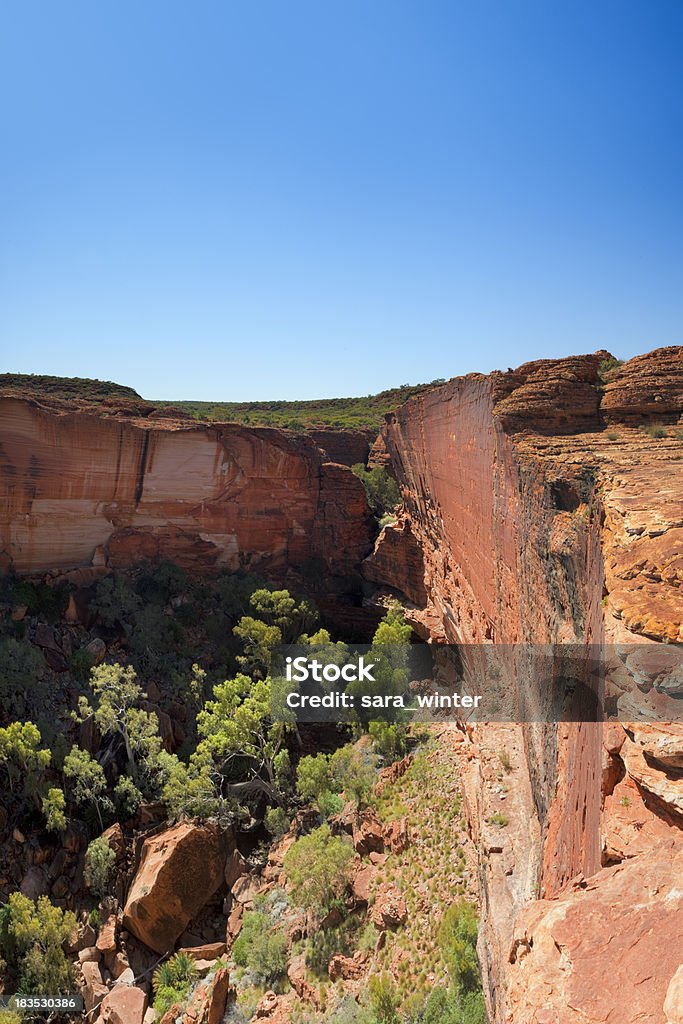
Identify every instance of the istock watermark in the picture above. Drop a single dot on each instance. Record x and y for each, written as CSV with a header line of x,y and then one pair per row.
x,y
344,683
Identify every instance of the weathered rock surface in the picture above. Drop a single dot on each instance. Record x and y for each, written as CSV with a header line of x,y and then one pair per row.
x,y
125,1004
74,482
180,869
343,445
527,512
605,949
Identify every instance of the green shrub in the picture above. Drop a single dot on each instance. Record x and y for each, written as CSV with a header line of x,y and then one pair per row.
x,y
276,821
384,999
172,981
81,663
318,869
457,937
381,488
654,430
261,948
99,864
390,741
32,937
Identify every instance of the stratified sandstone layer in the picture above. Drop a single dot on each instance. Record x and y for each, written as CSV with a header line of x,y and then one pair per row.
x,y
75,482
542,515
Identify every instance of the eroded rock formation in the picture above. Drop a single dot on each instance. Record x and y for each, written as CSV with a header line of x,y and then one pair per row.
x,y
82,485
542,515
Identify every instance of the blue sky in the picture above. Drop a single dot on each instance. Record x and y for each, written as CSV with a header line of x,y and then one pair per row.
x,y
264,200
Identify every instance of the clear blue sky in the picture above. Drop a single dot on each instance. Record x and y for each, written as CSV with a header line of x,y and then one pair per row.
x,y
259,200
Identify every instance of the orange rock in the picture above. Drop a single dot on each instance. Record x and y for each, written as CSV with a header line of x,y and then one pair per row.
x,y
180,870
389,909
125,1004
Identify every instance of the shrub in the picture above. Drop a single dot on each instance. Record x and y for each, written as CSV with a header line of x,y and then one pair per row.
x,y
22,669
172,981
318,869
384,999
261,948
654,430
81,663
504,758
381,488
99,864
498,819
32,936
457,937
390,741
276,821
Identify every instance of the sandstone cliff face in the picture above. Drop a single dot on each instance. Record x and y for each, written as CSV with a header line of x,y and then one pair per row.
x,y
72,483
527,512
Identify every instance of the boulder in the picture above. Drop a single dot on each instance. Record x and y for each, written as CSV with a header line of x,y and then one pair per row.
x,y
673,1004
180,870
125,1004
389,909
368,833
235,867
396,836
210,951
94,990
347,968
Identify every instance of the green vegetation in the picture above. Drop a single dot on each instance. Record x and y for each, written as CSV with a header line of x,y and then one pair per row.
x,y
655,430
361,413
384,999
32,939
99,865
318,868
607,370
498,819
322,777
172,981
65,387
261,948
380,487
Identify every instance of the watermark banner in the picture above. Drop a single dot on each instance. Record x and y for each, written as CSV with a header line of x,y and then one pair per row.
x,y
478,682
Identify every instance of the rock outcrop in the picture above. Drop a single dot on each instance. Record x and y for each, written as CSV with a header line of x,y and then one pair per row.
x,y
542,515
74,484
180,870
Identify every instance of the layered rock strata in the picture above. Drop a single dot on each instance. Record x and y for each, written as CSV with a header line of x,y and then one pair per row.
x,y
542,515
82,486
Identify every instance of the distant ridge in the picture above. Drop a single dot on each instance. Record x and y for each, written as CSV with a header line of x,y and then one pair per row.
x,y
65,387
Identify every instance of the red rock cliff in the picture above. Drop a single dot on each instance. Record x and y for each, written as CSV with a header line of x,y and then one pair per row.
x,y
75,481
528,512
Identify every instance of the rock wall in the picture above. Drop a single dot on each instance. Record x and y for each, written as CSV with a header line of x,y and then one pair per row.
x,y
537,524
79,485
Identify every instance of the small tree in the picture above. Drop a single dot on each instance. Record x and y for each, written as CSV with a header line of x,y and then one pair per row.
x,y
261,948
384,998
88,782
318,869
32,937
99,864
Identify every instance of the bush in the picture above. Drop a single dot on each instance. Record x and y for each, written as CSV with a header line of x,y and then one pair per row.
x,y
384,999
32,936
318,869
261,948
172,981
654,430
276,821
81,663
21,669
381,488
457,937
390,741
99,864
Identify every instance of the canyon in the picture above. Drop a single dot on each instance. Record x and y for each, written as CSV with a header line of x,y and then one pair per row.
x,y
541,505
